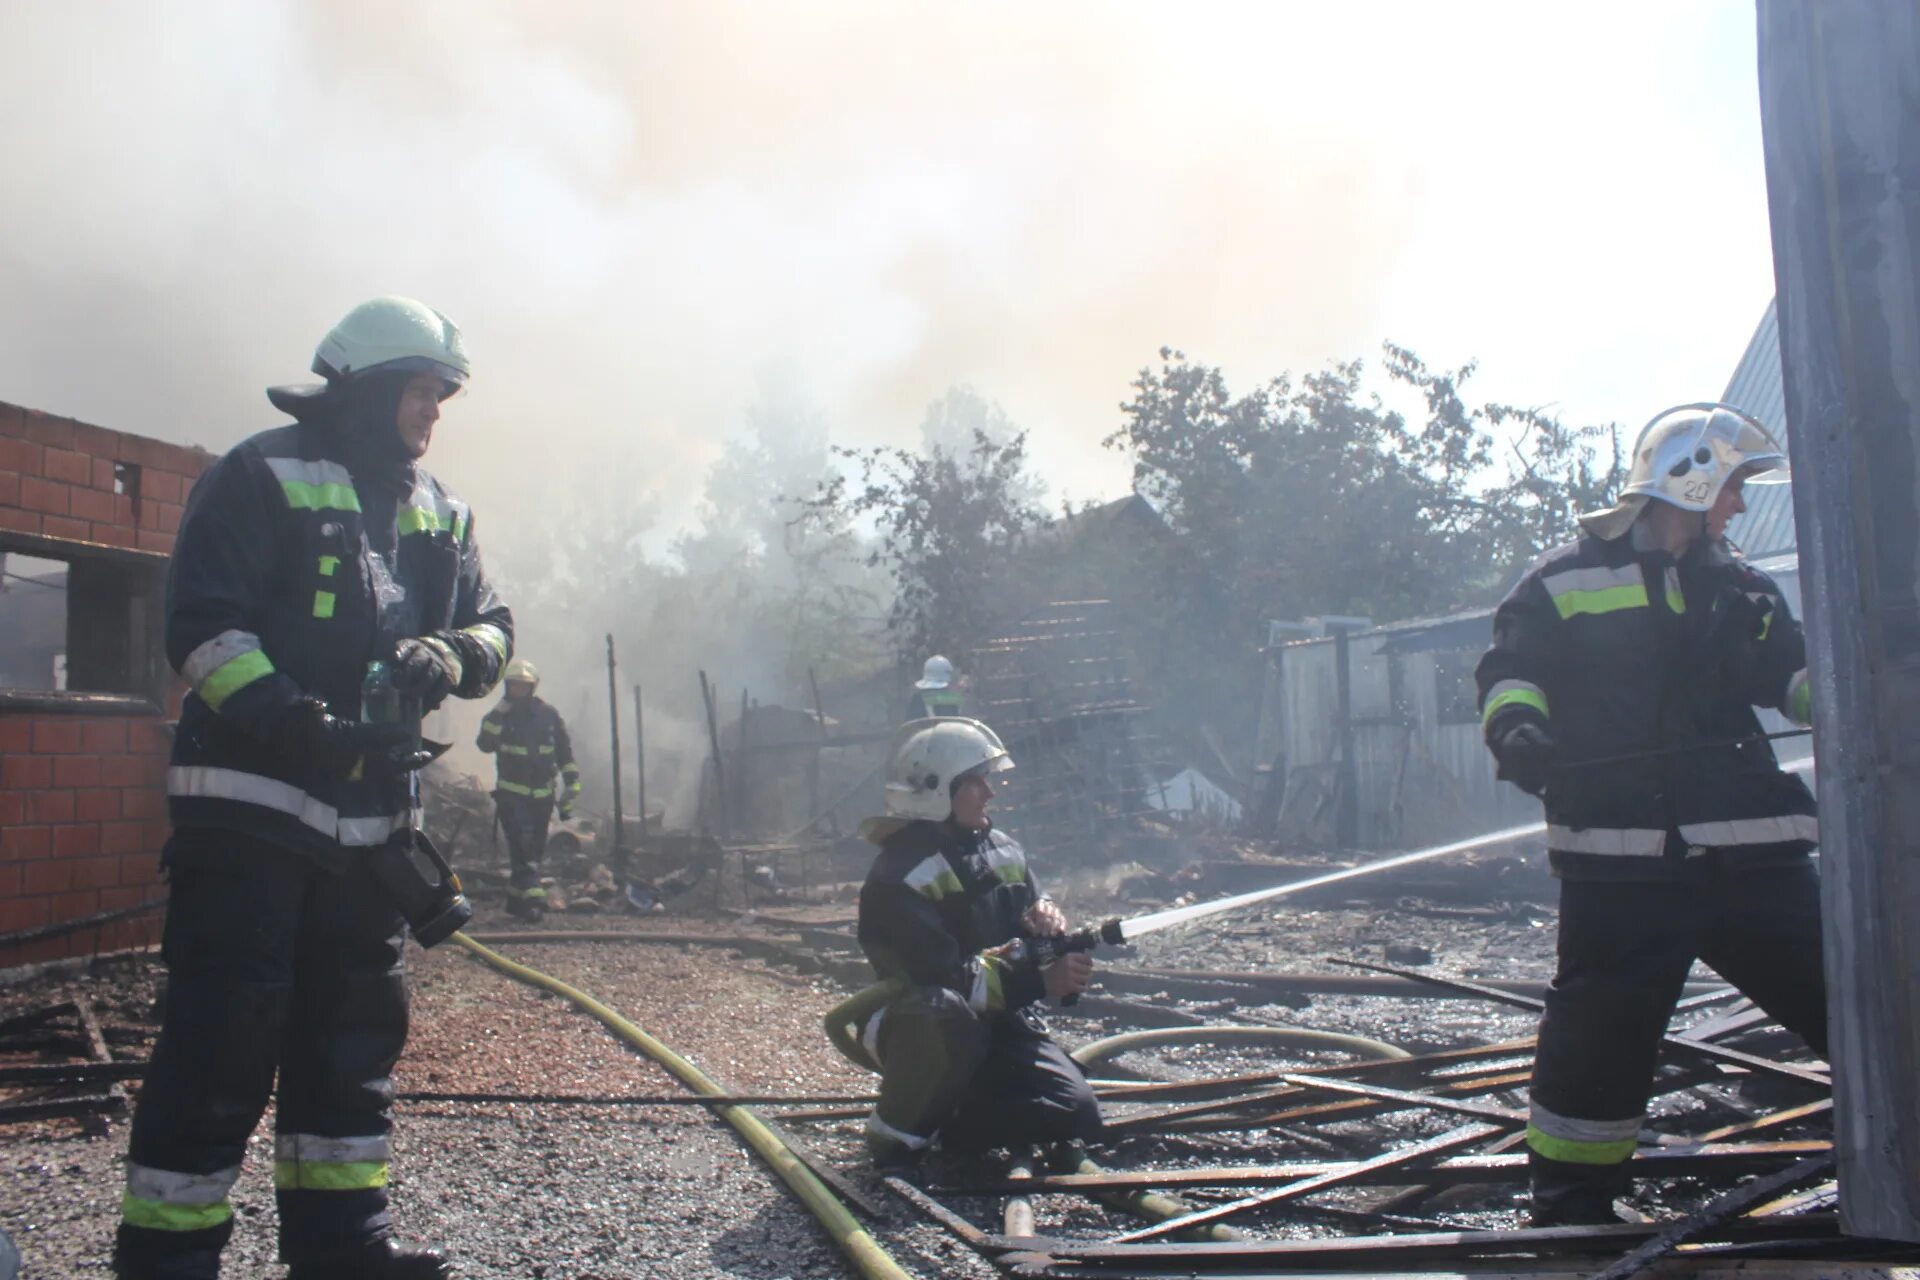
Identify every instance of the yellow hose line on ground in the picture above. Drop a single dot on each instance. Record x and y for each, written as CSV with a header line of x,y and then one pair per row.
x,y
861,1249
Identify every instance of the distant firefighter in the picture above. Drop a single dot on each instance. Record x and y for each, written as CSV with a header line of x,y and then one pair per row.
x,y
955,927
1621,689
936,692
530,740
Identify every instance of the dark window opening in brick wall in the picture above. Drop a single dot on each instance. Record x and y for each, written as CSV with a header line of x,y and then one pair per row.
x,y
87,520
80,622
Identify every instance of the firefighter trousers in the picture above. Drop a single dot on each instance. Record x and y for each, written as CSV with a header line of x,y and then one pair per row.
x,y
1624,951
274,966
983,1081
523,820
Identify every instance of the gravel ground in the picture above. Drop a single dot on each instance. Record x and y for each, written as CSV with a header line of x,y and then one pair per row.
x,y
546,1191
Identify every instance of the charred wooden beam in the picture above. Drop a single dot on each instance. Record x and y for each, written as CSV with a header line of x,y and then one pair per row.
x,y
1399,1158
1719,1160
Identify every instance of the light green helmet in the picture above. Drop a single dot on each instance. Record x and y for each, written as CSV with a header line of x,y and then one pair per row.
x,y
386,335
395,334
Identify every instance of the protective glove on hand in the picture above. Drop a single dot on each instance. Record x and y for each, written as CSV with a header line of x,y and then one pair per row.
x,y
307,731
1044,919
566,811
427,668
1526,754
1068,976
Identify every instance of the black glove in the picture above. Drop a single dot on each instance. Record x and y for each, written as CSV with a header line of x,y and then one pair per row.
x,y
307,731
427,668
1526,753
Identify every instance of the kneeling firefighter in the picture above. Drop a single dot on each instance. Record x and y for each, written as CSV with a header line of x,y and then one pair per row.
x,y
954,925
529,741
324,593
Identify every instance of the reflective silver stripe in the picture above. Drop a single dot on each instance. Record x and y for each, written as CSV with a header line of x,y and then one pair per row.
x,y
305,471
1629,842
881,1129
979,993
1572,1129
216,653
1512,693
314,1148
203,782
933,877
1004,858
1596,578
1736,831
1515,686
491,636
167,1187
372,831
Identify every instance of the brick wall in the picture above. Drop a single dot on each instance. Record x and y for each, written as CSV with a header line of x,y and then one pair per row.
x,y
57,480
83,789
83,811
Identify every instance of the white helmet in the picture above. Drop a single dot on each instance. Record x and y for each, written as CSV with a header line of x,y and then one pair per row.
x,y
927,757
937,674
392,334
520,671
395,334
1685,457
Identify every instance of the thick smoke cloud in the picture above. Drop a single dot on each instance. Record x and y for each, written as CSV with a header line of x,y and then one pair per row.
x,y
637,211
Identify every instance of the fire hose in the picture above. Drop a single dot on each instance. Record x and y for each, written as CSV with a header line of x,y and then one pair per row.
x,y
861,1249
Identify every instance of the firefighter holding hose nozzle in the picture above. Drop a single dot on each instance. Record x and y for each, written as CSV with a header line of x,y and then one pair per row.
x,y
966,947
1621,689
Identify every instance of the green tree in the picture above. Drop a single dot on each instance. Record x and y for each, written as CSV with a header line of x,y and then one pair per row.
x,y
1317,496
947,521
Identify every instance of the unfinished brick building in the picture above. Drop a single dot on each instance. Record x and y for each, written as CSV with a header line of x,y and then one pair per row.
x,y
87,520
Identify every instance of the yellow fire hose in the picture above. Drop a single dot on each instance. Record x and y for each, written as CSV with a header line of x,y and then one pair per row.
x,y
844,1024
861,1249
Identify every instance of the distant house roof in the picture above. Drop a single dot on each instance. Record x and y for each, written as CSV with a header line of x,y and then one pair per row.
x,y
1099,520
1766,527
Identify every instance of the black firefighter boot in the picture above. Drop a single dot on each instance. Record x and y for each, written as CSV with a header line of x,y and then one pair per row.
x,y
375,1260
1572,1195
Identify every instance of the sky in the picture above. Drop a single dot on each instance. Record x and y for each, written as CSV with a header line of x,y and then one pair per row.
x,y
639,213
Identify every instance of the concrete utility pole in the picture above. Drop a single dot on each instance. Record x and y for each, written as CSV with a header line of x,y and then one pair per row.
x,y
1840,106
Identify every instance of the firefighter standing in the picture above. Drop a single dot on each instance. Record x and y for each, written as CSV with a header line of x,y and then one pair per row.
x,y
936,692
306,553
961,1047
1649,638
530,740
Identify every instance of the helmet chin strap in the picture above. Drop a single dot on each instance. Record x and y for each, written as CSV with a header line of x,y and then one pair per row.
x,y
1665,527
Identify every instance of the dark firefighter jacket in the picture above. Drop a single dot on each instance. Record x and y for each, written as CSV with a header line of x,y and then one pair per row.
x,y
1619,650
531,741
287,579
936,898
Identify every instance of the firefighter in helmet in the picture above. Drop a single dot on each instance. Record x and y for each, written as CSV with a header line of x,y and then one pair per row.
x,y
530,742
306,554
936,692
959,1042
1621,688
